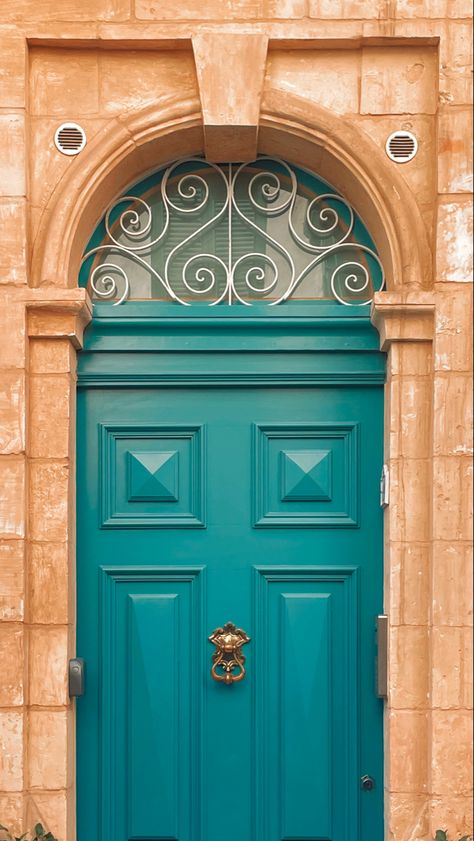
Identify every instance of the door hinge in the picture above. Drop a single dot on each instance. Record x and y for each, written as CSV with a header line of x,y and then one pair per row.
x,y
385,487
381,664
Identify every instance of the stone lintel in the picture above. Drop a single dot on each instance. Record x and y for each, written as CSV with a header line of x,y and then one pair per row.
x,y
230,71
403,319
58,314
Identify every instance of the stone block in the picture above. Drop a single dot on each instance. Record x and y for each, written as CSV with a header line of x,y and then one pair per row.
x,y
45,11
48,501
12,584
433,9
408,765
454,251
410,493
50,809
52,357
415,589
455,77
50,599
409,667
399,80
12,650
409,817
447,666
13,164
453,345
48,660
12,412
454,813
51,400
12,332
11,810
329,77
13,241
230,100
64,83
12,498
452,584
13,68
410,417
48,768
455,150
219,10
344,9
135,80
452,414
452,499
451,757
11,751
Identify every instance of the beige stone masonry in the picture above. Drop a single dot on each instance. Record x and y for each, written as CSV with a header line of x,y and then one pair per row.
x,y
230,96
151,81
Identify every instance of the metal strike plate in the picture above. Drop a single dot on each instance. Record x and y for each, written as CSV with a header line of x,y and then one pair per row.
x,y
385,487
77,677
381,665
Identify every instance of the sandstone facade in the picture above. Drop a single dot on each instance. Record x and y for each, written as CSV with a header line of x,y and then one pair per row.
x,y
321,82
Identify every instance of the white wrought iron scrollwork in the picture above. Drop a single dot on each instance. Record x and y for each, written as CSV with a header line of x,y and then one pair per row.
x,y
232,199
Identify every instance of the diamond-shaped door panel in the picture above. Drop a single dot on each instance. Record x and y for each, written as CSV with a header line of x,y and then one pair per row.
x,y
306,475
152,476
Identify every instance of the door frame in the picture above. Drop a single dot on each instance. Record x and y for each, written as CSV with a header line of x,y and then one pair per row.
x,y
403,315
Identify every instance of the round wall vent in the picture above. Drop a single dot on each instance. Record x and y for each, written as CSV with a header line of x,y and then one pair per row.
x,y
401,146
70,139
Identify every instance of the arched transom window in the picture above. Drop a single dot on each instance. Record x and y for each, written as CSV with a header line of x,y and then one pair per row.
x,y
258,232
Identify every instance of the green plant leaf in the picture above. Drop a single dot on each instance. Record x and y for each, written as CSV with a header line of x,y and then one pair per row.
x,y
441,835
39,830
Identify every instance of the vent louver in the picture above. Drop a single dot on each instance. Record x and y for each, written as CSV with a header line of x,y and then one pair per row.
x,y
401,146
70,138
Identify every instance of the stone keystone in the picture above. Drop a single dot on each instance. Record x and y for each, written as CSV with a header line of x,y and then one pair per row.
x,y
230,71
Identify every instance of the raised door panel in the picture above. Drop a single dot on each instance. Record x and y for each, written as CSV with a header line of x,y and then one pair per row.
x,y
306,691
151,702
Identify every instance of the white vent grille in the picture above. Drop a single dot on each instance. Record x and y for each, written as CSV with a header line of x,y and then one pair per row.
x,y
401,146
70,138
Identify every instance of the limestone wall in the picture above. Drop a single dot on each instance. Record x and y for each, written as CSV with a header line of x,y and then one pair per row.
x,y
376,67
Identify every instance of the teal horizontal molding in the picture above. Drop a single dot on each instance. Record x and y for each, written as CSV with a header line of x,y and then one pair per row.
x,y
118,380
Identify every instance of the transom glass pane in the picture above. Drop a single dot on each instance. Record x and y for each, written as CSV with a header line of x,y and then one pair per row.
x,y
264,231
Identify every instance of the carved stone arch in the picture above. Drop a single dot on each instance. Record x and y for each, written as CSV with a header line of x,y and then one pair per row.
x,y
291,127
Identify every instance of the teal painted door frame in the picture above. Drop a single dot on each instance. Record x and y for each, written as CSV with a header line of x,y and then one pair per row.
x,y
228,470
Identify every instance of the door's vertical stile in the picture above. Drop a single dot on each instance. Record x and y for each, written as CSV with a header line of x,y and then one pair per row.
x,y
107,706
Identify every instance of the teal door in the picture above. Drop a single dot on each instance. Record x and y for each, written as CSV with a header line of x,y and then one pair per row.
x,y
228,472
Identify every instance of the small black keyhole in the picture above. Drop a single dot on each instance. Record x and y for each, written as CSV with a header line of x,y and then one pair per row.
x,y
367,783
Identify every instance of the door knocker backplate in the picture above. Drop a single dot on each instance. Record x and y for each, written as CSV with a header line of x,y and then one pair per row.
x,y
228,659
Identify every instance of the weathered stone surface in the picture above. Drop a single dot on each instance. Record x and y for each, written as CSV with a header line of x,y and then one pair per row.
x,y
12,650
12,585
455,248
12,412
329,77
47,736
455,150
149,75
11,751
13,163
399,81
230,99
13,241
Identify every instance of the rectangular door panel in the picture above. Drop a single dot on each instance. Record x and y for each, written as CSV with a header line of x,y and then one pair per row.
x,y
306,726
150,652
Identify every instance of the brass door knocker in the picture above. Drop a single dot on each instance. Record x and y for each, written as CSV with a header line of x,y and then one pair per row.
x,y
228,655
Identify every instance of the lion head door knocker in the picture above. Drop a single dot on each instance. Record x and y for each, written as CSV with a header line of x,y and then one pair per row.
x,y
228,659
